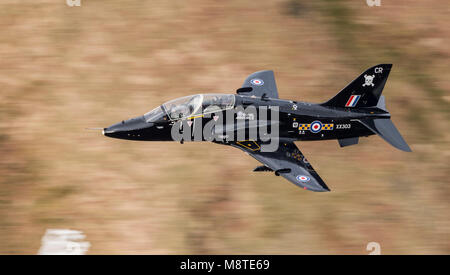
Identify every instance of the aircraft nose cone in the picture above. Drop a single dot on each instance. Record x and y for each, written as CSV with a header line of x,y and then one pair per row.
x,y
120,129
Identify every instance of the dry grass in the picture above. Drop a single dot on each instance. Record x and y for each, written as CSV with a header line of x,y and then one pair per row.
x,y
63,69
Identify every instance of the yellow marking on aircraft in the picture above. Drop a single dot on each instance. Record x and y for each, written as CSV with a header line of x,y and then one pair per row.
x,y
192,117
249,145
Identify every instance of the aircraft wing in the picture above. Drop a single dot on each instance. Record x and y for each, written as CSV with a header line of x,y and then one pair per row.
x,y
287,162
262,82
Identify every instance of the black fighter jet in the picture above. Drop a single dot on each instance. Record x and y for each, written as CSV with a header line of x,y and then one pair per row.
x,y
357,111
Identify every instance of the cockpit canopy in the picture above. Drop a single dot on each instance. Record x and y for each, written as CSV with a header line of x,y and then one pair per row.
x,y
189,106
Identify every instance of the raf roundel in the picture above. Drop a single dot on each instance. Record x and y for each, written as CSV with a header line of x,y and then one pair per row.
x,y
257,82
303,178
316,126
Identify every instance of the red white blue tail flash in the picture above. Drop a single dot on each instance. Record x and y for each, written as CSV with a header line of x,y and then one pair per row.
x,y
352,101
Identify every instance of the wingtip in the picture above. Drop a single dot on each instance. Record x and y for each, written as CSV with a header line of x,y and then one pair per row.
x,y
408,150
403,147
320,188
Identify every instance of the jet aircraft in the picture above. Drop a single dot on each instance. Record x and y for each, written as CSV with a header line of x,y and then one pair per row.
x,y
356,111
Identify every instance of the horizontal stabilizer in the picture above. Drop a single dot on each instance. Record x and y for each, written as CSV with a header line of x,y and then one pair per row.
x,y
348,141
386,129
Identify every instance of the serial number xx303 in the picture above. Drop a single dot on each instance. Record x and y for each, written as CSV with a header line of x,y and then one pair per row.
x,y
343,126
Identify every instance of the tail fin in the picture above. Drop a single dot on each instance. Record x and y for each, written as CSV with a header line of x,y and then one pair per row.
x,y
382,103
364,91
386,129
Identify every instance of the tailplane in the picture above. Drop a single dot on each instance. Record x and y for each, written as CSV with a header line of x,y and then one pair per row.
x,y
386,130
364,91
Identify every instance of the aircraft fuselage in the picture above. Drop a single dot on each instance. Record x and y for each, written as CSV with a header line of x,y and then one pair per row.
x,y
301,121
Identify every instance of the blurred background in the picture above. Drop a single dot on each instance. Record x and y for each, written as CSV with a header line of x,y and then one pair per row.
x,y
64,68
